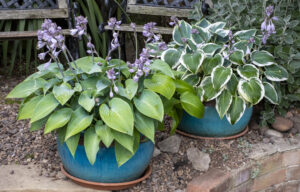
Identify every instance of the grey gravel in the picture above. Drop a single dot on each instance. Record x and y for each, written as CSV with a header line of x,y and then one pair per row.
x,y
171,144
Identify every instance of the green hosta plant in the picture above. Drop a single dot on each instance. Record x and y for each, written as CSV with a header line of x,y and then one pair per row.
x,y
105,100
225,67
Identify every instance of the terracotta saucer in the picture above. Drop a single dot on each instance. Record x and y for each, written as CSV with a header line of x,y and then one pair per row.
x,y
107,186
213,138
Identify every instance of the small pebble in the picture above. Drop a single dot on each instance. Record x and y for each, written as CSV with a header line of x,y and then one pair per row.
x,y
12,172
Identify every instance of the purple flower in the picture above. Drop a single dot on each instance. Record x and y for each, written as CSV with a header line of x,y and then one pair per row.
x,y
42,55
248,51
195,31
46,65
116,90
136,78
133,26
184,40
113,23
111,94
251,40
80,28
115,42
174,21
162,46
111,74
267,27
149,32
269,10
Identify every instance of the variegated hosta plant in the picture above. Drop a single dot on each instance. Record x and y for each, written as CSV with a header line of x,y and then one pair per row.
x,y
224,66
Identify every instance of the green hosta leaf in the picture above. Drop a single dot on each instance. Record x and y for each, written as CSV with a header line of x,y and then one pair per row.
x,y
118,115
210,48
72,143
182,86
37,125
150,104
192,79
102,84
276,73
252,90
191,45
237,57
202,36
91,144
209,92
192,104
87,65
200,93
52,67
192,61
220,76
27,109
210,63
145,125
90,84
175,120
78,87
26,88
130,90
242,45
232,84
215,26
44,107
262,58
63,93
222,32
223,103
183,32
171,57
86,101
104,132
245,34
248,71
203,23
50,83
80,120
236,110
58,119
162,84
271,93
163,67
125,140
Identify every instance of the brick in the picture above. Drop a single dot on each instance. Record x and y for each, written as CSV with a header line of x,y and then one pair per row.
x,y
291,158
292,186
271,163
245,187
293,173
269,179
215,180
241,176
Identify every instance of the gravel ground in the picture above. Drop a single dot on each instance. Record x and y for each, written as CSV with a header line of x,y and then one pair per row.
x,y
171,172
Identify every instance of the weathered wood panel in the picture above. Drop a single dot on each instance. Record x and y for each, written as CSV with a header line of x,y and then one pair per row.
x,y
139,28
23,34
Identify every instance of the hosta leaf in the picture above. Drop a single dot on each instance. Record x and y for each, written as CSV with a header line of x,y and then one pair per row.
x,y
215,26
192,79
192,104
210,63
58,119
37,125
202,36
86,101
50,83
223,103
220,76
63,92
222,32
80,120
236,110
182,86
242,45
162,84
102,84
150,104
78,87
130,90
248,71
125,140
89,64
163,67
72,144
271,93
210,48
262,58
232,84
175,120
184,31
245,34
237,57
27,109
145,125
203,23
44,107
118,115
209,92
26,88
252,90
171,57
192,61
91,144
276,73
104,132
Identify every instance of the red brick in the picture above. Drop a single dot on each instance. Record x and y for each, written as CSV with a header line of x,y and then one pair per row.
x,y
292,186
267,180
245,187
271,163
215,180
241,176
293,173
291,158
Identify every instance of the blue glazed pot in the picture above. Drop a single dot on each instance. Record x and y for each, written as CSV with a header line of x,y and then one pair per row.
x,y
105,168
211,125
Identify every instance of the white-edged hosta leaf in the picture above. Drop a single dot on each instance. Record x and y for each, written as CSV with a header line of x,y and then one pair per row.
x,y
192,79
251,90
245,34
192,104
223,103
79,121
91,144
171,57
104,132
262,58
248,71
215,26
118,115
210,48
271,93
201,36
237,57
44,107
150,104
183,30
27,109
220,76
163,67
209,92
276,73
232,84
243,45
203,23
63,92
222,32
86,101
72,143
161,84
236,110
26,88
209,63
192,61
58,119
145,125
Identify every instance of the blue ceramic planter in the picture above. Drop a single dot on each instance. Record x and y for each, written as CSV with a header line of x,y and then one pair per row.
x,y
105,168
211,125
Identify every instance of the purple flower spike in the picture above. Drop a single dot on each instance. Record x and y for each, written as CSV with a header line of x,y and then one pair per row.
x,y
194,31
267,27
162,46
133,26
113,23
269,10
174,21
148,32
111,74
80,28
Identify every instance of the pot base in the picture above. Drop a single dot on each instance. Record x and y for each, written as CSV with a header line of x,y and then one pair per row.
x,y
107,186
213,138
